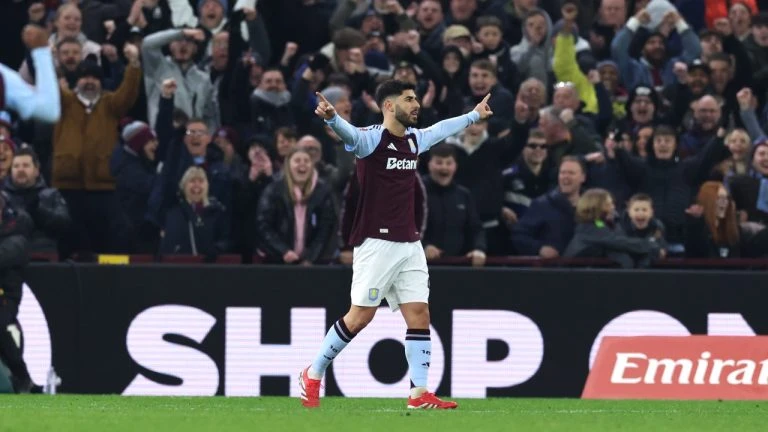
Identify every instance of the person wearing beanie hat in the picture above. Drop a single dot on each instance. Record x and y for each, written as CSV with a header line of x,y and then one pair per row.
x,y
7,150
134,167
212,14
655,67
140,139
642,108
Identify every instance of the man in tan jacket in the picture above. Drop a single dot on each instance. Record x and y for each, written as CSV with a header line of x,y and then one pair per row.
x,y
83,142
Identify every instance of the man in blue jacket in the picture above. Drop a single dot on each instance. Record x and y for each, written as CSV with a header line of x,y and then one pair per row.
x,y
654,68
547,227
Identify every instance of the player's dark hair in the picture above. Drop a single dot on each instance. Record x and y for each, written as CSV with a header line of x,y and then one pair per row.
x,y
391,88
28,151
443,150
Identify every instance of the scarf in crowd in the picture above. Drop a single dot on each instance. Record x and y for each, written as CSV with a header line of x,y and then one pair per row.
x,y
274,98
300,213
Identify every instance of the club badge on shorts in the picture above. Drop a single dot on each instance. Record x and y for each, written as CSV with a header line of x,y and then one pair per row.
x,y
373,294
413,146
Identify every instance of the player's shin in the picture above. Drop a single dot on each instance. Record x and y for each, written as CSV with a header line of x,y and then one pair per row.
x,y
418,352
337,338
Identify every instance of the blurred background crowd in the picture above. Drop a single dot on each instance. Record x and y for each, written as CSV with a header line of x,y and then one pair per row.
x,y
631,130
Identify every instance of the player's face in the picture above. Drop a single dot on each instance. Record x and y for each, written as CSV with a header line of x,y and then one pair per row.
x,y
641,213
407,108
442,169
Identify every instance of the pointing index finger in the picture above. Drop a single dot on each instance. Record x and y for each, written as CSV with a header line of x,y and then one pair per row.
x,y
485,99
322,98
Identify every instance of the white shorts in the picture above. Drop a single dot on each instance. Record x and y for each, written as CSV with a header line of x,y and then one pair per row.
x,y
395,271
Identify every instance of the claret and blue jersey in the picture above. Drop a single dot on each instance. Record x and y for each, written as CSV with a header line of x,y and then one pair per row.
x,y
386,172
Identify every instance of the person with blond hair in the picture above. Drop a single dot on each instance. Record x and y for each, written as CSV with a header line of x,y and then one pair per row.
x,y
598,235
197,224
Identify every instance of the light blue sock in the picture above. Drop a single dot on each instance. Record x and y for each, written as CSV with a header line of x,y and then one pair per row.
x,y
418,351
336,339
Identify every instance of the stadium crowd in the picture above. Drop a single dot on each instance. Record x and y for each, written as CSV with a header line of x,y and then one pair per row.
x,y
626,129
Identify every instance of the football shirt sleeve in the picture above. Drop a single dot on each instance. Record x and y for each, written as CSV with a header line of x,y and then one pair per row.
x,y
444,129
361,142
41,101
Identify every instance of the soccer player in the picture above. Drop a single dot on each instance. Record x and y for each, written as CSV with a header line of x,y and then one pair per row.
x,y
41,102
388,259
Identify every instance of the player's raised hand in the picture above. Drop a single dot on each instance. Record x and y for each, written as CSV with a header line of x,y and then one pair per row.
x,y
324,109
483,108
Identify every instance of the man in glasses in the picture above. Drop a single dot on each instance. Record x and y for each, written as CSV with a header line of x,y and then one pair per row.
x,y
527,178
186,146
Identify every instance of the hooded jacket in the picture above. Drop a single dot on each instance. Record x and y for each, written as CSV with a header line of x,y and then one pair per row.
x,y
534,61
549,221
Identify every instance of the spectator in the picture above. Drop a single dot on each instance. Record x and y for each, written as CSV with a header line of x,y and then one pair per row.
x,y
228,141
195,95
134,167
197,224
480,161
83,143
7,150
707,120
639,222
26,190
531,97
68,24
247,194
566,136
186,146
69,54
609,75
547,226
756,45
490,34
746,188
740,17
429,18
669,181
285,143
597,234
712,229
642,109
295,217
14,250
453,225
533,55
482,81
328,173
739,145
270,104
654,69
526,179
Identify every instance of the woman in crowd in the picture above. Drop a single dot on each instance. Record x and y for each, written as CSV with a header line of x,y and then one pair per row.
x,y
597,234
197,224
296,216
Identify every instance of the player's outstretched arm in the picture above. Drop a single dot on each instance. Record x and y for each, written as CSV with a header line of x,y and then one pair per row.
x,y
41,102
359,142
449,127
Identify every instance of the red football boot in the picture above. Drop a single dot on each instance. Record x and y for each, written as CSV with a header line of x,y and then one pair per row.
x,y
428,400
310,390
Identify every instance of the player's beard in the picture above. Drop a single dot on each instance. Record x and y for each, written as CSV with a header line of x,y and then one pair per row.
x,y
404,117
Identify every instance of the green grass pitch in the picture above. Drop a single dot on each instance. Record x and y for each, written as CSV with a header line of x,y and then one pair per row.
x,y
65,413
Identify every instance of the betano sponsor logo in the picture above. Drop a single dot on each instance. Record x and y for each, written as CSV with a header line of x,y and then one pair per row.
x,y
680,367
401,164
